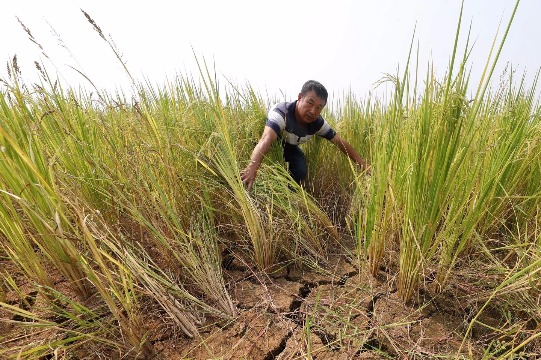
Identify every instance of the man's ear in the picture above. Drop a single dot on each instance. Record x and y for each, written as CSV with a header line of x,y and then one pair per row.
x,y
300,96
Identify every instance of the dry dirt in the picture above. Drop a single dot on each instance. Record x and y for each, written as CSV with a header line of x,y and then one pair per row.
x,y
341,313
344,313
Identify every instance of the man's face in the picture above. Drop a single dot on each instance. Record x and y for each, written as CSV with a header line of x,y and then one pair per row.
x,y
309,107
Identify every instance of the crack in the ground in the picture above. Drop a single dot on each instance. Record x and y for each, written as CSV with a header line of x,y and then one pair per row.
x,y
244,307
344,278
295,316
372,344
328,340
294,307
26,305
370,307
288,275
273,354
372,304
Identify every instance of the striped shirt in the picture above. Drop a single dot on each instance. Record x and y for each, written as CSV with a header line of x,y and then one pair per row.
x,y
281,118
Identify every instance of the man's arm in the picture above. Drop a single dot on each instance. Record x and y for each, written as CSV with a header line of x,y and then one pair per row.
x,y
249,173
347,149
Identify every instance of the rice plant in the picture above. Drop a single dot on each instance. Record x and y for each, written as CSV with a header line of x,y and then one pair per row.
x,y
447,170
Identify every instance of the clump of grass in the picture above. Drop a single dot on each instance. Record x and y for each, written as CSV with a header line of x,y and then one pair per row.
x,y
31,208
441,181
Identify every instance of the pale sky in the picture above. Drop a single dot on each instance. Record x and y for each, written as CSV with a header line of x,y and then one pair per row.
x,y
273,45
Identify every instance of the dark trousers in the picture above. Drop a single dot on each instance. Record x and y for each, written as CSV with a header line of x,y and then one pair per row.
x,y
294,156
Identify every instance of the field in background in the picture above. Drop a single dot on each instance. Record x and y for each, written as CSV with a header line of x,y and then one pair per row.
x,y
125,230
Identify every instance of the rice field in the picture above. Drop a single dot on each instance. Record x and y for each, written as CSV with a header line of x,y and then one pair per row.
x,y
126,231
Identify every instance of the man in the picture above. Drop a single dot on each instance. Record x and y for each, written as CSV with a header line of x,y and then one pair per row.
x,y
295,123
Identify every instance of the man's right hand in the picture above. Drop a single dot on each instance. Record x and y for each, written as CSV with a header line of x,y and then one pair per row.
x,y
249,174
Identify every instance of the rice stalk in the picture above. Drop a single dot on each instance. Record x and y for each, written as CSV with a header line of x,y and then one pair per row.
x,y
115,284
17,245
78,325
183,307
194,247
30,193
523,277
500,179
224,160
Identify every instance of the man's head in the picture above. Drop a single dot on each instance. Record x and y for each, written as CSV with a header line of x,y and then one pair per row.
x,y
312,99
317,87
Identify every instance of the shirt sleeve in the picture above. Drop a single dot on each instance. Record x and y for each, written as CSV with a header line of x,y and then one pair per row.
x,y
326,131
276,120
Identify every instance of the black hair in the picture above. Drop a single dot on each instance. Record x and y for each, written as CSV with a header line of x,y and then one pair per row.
x,y
317,87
